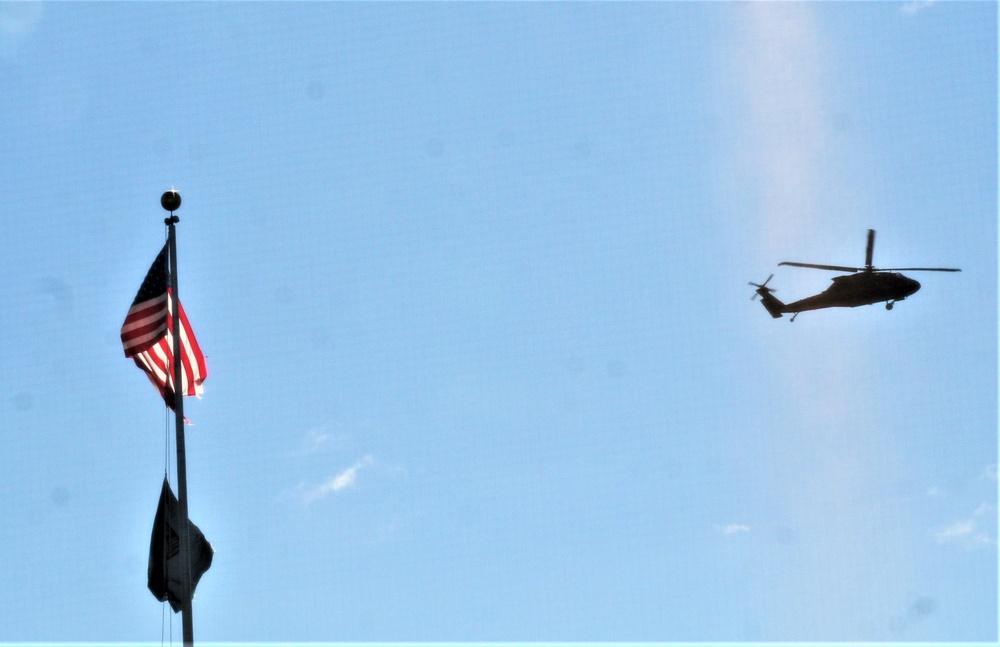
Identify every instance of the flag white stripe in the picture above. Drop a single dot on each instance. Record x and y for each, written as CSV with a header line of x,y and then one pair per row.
x,y
148,337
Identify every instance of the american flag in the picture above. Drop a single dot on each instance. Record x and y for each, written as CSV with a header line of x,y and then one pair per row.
x,y
147,336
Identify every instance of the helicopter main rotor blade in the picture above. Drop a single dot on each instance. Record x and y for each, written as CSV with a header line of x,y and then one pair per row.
x,y
868,250
919,269
815,266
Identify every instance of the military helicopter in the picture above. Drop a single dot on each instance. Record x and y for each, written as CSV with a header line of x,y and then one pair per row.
x,y
867,285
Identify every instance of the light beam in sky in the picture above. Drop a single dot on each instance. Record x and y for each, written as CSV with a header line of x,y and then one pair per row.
x,y
826,464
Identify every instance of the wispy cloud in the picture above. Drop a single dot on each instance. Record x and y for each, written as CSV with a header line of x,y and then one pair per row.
x,y
915,6
348,477
315,439
733,529
19,18
936,492
322,439
18,21
971,532
343,480
960,530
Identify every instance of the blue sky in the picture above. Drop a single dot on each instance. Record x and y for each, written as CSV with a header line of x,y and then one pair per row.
x,y
472,283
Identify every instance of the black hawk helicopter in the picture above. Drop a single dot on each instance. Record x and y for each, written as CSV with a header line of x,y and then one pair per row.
x,y
867,285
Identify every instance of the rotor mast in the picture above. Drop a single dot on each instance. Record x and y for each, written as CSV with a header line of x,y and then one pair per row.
x,y
868,251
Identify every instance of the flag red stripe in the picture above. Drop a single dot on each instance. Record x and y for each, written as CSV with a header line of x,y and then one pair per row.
x,y
141,342
147,337
192,361
192,349
138,318
143,324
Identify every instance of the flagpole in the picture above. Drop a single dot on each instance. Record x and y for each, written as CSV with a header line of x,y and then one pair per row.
x,y
171,201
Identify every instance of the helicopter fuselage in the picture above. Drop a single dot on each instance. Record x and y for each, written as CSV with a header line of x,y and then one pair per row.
x,y
861,289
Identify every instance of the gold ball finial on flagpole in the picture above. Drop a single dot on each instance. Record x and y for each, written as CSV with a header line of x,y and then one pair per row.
x,y
171,201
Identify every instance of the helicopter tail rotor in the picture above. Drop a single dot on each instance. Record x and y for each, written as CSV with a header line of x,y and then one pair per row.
x,y
771,303
761,288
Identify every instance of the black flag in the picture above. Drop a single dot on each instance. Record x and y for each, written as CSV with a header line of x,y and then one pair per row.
x,y
166,573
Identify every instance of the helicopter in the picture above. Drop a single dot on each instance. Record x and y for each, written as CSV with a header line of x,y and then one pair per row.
x,y
865,286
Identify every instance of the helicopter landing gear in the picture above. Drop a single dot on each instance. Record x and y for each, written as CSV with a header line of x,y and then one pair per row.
x,y
792,320
889,304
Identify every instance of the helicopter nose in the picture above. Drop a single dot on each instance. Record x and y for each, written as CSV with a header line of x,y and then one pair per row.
x,y
911,286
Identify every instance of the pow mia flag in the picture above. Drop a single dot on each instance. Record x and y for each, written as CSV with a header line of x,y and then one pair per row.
x,y
166,573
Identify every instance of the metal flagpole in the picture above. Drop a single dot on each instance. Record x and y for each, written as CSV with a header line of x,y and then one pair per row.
x,y
171,201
